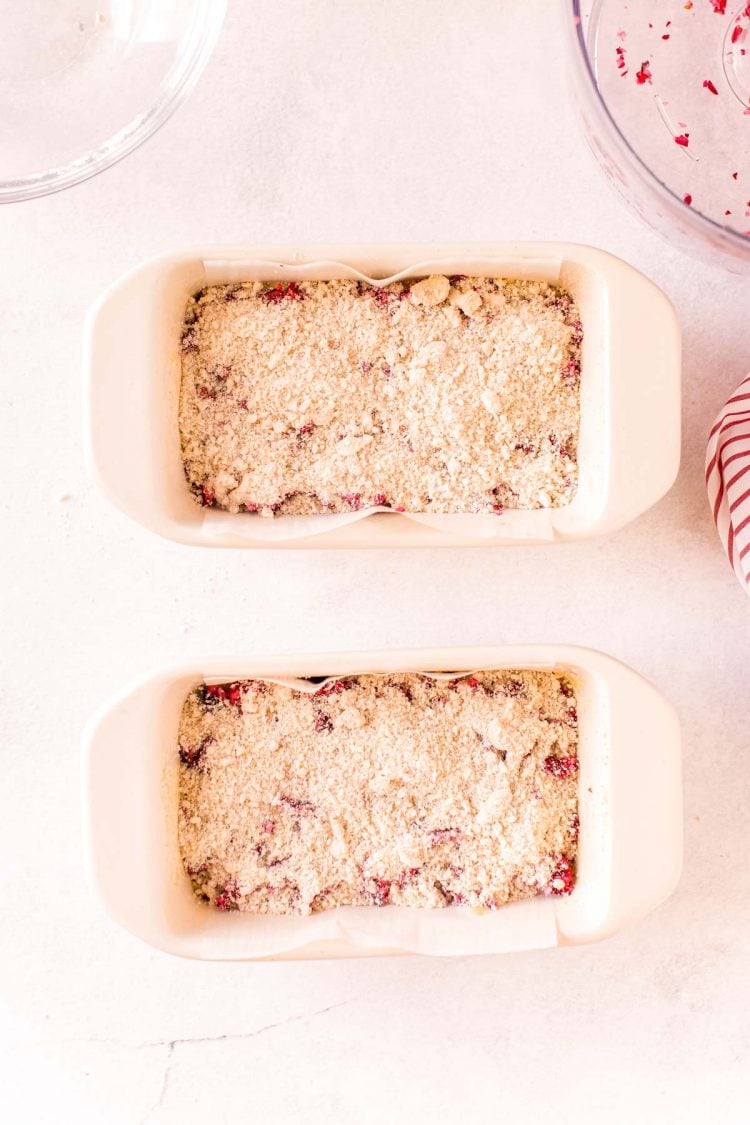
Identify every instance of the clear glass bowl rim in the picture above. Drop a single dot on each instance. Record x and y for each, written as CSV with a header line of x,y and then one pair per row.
x,y
739,242
180,80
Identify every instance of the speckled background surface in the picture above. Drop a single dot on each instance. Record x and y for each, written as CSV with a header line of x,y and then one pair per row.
x,y
332,120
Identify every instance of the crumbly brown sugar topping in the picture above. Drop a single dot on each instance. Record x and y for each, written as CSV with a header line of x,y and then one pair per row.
x,y
380,790
440,395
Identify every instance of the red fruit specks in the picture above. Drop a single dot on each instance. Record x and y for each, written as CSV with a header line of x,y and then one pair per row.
x,y
561,768
559,446
192,756
214,694
688,199
205,392
708,85
513,688
719,6
622,65
281,292
644,74
571,373
562,878
323,723
736,33
353,499
268,826
683,140
234,695
407,876
379,500
227,898
335,687
575,825
380,296
207,497
444,836
379,891
296,805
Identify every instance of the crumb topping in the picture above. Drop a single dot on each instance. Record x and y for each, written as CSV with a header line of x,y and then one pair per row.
x,y
440,395
377,790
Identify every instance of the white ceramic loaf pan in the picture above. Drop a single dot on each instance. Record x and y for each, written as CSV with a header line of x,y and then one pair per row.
x,y
630,393
630,808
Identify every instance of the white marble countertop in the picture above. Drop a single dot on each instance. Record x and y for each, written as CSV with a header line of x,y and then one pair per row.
x,y
333,120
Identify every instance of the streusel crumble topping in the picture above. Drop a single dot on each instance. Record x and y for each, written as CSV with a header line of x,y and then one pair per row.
x,y
377,790
439,395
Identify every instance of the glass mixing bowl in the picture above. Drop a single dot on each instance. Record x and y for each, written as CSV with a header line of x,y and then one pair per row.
x,y
663,87
83,83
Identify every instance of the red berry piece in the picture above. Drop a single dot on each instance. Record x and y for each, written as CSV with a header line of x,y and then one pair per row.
x,y
192,756
561,767
213,694
335,687
572,372
206,496
281,292
296,805
380,500
378,891
513,688
562,879
323,723
353,499
227,898
444,836
380,296
405,690
407,876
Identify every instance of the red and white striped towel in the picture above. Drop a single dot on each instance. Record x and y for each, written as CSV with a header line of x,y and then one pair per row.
x,y
728,480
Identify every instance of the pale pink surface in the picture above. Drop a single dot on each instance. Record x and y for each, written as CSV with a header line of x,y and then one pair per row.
x,y
356,122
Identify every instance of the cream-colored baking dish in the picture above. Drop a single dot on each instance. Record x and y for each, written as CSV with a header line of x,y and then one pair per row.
x,y
630,393
630,806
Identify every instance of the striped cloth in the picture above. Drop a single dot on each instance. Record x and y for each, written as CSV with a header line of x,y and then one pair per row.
x,y
728,480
